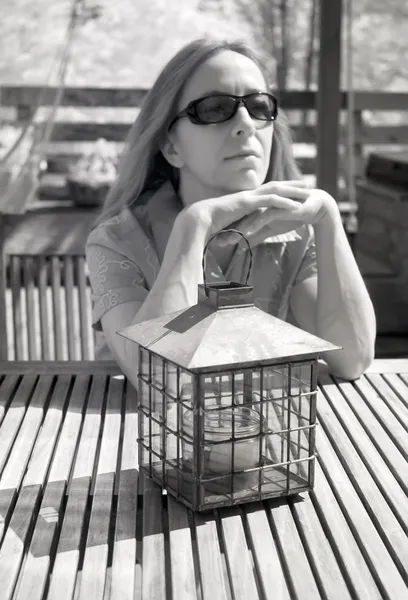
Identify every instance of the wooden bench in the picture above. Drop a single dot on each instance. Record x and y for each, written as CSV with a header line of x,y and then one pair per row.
x,y
48,308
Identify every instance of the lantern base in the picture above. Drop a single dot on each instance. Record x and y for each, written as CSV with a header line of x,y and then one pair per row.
x,y
230,489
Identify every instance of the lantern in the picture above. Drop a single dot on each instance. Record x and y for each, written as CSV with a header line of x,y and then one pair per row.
x,y
226,400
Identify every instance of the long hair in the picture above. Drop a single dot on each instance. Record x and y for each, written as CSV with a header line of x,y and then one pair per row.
x,y
143,166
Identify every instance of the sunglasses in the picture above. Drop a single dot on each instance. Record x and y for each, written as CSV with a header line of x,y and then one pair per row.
x,y
218,108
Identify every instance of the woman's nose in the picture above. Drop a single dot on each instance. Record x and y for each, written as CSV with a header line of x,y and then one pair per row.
x,y
243,121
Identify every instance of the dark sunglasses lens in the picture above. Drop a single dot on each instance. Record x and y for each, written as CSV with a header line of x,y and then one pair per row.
x,y
261,106
215,109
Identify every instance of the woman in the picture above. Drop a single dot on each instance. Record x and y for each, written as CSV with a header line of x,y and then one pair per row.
x,y
207,151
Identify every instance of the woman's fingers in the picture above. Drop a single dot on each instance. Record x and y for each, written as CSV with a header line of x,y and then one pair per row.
x,y
293,192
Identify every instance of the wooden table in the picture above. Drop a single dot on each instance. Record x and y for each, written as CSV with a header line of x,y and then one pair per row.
x,y
77,521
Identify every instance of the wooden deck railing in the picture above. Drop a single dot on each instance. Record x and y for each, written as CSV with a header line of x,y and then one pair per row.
x,y
68,137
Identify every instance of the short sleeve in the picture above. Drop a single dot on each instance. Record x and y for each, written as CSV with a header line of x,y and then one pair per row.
x,y
114,279
308,266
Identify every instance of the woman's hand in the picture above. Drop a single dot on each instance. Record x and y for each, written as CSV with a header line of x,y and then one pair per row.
x,y
273,208
312,208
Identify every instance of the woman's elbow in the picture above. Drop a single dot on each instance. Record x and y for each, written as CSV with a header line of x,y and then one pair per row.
x,y
352,365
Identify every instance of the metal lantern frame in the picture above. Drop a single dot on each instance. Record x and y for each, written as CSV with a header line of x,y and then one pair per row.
x,y
223,420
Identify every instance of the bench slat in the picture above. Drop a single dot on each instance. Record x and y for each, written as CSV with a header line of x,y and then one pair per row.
x,y
56,305
71,321
28,282
85,325
45,312
16,293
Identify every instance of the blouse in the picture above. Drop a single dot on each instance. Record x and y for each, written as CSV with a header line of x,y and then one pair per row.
x,y
125,252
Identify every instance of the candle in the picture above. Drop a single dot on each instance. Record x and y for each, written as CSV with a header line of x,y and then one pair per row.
x,y
218,457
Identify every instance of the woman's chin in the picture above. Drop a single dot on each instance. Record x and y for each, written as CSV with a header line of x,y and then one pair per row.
x,y
244,181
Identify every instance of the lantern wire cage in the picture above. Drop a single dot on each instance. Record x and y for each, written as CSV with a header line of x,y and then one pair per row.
x,y
221,438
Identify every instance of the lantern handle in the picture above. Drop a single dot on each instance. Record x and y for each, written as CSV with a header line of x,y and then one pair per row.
x,y
205,252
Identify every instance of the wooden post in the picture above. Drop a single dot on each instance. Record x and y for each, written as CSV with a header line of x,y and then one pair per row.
x,y
3,321
329,96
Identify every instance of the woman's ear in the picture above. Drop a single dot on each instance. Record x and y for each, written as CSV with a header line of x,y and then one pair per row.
x,y
171,153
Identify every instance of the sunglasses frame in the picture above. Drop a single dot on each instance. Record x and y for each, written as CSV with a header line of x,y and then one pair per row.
x,y
191,109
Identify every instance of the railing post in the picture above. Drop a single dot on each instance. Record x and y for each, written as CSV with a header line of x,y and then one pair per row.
x,y
3,287
329,96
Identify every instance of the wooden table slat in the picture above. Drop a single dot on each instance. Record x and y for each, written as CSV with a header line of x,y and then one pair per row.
x,y
15,539
399,386
73,527
124,549
384,445
23,444
372,478
7,388
344,543
363,528
292,551
67,558
214,580
14,416
319,549
65,451
240,567
390,423
96,548
153,562
44,445
181,552
266,554
37,565
398,408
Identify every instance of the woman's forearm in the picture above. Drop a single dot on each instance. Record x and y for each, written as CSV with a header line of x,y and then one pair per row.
x,y
345,314
175,287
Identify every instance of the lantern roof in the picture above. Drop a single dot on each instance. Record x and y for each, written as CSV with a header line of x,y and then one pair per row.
x,y
225,330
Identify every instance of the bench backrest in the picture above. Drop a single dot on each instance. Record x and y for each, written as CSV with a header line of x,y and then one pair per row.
x,y
48,308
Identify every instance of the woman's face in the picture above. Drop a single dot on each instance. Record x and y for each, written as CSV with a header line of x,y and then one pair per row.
x,y
206,155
